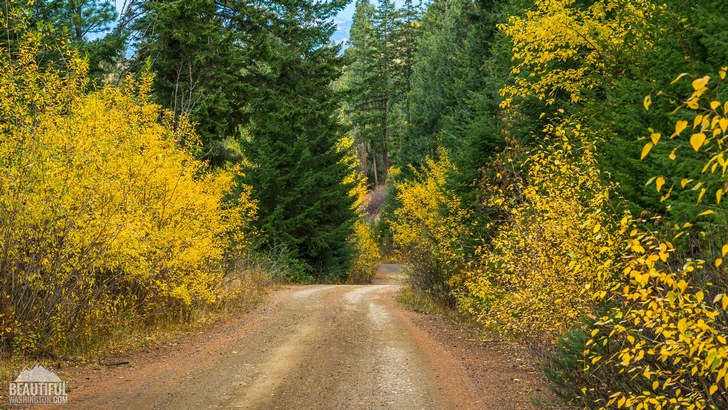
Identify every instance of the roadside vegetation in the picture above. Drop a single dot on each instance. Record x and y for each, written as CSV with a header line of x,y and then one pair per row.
x,y
558,174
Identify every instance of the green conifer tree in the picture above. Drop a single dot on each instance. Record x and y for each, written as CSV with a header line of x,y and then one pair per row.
x,y
292,160
196,53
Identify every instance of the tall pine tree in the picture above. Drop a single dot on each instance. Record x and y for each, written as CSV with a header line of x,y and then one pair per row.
x,y
359,96
292,159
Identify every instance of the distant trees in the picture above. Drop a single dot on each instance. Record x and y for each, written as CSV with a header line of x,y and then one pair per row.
x,y
377,80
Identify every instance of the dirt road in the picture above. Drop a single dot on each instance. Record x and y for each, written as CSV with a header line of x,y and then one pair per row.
x,y
307,347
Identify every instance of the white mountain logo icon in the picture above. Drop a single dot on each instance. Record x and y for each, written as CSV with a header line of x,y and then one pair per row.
x,y
38,374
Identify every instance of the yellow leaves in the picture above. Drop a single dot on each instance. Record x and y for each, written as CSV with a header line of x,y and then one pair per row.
x,y
700,83
689,341
723,122
366,253
655,137
647,102
697,140
570,243
693,103
626,358
661,317
678,78
355,178
420,228
701,194
709,137
646,150
586,37
636,246
680,127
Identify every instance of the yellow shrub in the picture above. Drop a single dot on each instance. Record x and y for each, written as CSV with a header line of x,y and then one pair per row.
x,y
366,253
355,178
668,330
430,225
562,46
554,243
665,333
103,211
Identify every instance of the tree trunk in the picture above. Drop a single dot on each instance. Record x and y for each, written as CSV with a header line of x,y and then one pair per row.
x,y
364,159
376,176
361,152
385,138
385,164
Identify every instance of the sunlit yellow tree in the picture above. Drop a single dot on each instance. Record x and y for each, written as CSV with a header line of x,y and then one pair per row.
x,y
429,228
554,245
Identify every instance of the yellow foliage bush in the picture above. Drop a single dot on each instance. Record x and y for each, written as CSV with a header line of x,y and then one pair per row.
x,y
554,242
668,329
659,340
355,178
366,253
561,46
666,335
103,211
429,227
366,249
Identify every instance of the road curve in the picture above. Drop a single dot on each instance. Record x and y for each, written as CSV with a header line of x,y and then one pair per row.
x,y
309,347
